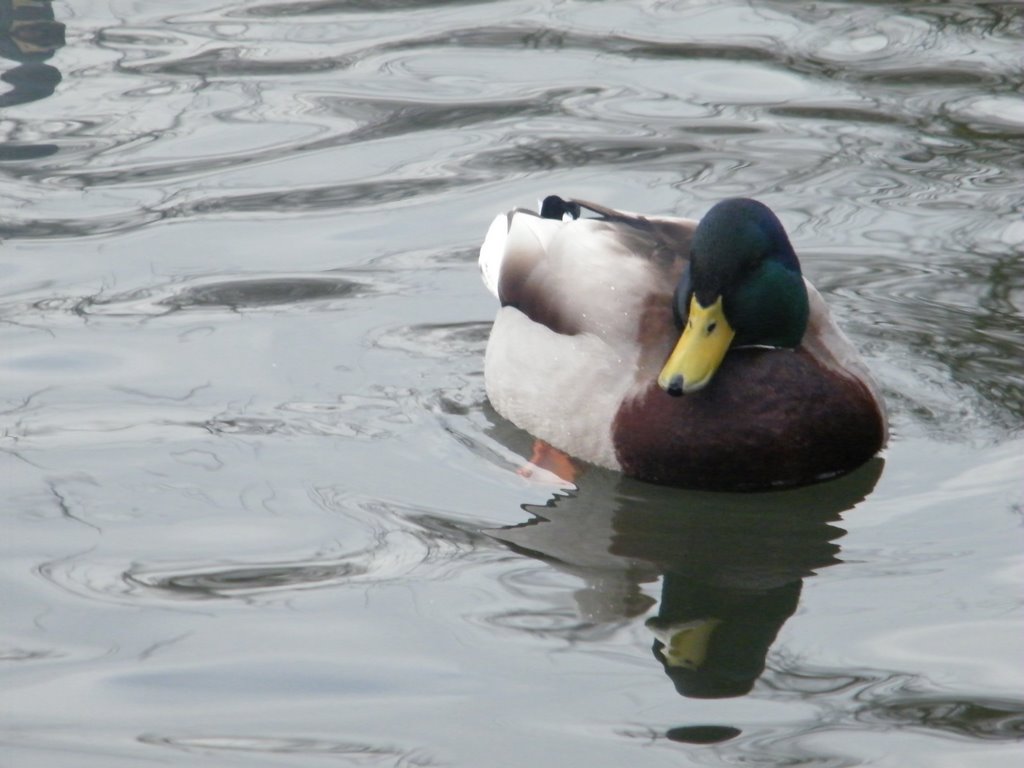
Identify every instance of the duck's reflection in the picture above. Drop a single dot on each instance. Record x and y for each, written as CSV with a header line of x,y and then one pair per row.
x,y
731,566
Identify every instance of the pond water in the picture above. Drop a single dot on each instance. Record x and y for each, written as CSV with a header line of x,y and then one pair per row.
x,y
257,508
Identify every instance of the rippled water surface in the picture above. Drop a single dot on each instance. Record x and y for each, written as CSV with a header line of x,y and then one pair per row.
x,y
257,508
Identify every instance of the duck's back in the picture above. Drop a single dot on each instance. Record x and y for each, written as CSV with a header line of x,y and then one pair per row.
x,y
585,308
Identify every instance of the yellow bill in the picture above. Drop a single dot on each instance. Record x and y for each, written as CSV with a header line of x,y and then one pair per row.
x,y
686,643
699,351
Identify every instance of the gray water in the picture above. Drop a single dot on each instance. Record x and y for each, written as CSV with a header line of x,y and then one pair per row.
x,y
257,508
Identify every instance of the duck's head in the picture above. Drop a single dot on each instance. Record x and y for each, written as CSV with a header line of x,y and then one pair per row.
x,y
743,287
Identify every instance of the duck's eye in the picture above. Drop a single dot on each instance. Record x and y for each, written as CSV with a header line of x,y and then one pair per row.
x,y
711,328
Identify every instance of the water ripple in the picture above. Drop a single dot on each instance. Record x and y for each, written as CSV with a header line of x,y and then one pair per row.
x,y
351,752
398,543
235,294
354,417
250,579
326,7
985,718
863,703
443,341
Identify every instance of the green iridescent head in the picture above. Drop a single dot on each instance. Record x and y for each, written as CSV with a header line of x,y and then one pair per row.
x,y
743,287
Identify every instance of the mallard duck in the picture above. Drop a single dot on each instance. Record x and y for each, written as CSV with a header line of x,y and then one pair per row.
x,y
681,353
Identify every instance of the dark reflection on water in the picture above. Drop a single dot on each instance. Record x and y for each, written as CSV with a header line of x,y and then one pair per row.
x,y
731,566
29,35
234,294
550,153
230,62
702,734
239,294
320,7
334,197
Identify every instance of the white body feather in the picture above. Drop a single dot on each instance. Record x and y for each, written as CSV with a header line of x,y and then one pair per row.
x,y
569,398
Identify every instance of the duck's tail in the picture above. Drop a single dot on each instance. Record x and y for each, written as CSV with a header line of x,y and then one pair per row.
x,y
492,251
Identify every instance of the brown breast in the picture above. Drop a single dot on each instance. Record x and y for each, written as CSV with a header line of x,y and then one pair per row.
x,y
769,418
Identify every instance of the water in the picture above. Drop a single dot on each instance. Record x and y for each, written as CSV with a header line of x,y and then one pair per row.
x,y
258,509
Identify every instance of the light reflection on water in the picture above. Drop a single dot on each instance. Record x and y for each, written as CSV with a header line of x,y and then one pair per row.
x,y
259,510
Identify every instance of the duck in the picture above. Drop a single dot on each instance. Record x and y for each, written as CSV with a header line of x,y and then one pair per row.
x,y
679,352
